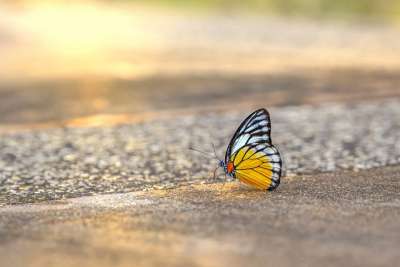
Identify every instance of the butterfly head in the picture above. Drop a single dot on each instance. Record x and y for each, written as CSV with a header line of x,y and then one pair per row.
x,y
221,164
228,167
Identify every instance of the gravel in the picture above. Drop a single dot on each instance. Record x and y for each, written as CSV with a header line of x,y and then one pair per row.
x,y
70,162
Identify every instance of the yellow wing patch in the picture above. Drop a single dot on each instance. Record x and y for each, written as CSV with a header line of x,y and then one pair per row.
x,y
253,178
252,168
239,155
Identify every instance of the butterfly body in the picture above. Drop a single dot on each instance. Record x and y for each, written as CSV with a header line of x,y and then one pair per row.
x,y
250,156
229,168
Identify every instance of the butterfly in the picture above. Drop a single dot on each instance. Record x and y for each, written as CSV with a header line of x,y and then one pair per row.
x,y
250,156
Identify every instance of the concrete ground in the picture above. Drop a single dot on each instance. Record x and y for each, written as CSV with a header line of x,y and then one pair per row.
x,y
332,219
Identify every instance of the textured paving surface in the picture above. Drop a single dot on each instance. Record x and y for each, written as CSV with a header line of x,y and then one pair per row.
x,y
333,219
71,162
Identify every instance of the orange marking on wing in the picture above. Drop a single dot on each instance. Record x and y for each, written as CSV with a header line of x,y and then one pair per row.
x,y
230,167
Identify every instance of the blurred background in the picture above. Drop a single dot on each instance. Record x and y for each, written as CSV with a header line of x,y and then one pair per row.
x,y
100,62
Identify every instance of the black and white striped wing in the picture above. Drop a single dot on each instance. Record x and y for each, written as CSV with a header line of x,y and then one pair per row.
x,y
256,161
254,130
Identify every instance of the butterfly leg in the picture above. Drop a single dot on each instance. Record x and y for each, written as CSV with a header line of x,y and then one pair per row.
x,y
214,173
223,185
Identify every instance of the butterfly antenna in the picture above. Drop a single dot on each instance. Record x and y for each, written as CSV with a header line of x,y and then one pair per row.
x,y
215,151
208,156
202,152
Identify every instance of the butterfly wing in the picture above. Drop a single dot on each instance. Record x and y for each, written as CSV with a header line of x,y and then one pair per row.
x,y
256,128
259,166
256,161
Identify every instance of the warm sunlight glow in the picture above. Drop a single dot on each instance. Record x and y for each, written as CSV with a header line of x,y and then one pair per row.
x,y
127,39
67,39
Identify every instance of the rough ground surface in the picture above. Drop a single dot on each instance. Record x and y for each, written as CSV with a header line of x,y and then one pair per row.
x,y
333,219
58,163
